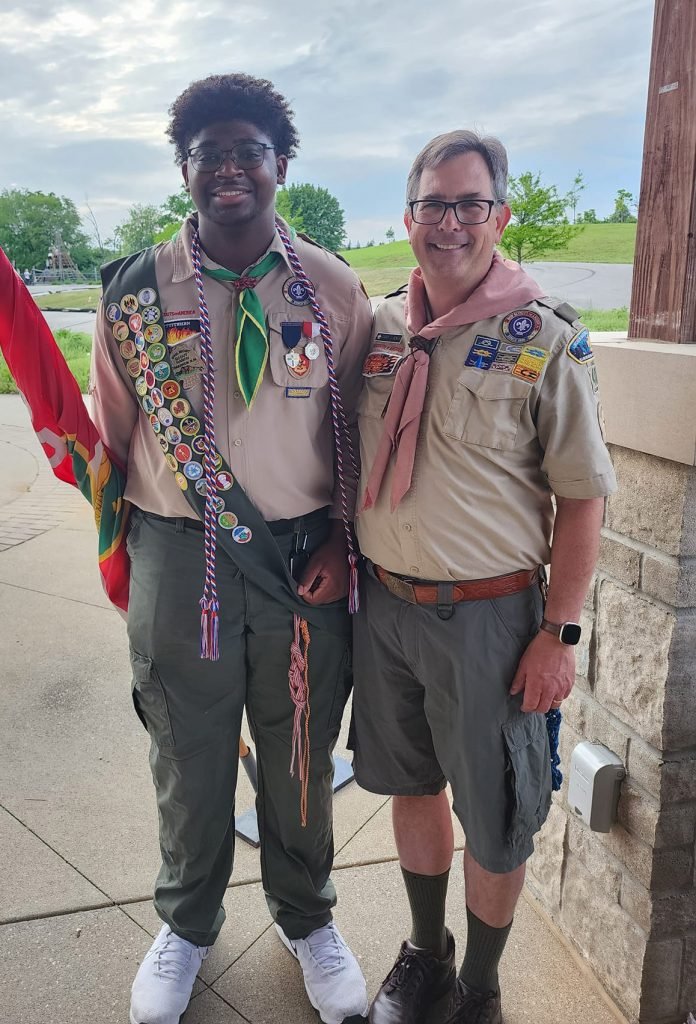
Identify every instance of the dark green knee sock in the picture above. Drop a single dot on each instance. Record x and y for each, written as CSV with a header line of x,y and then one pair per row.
x,y
427,895
484,948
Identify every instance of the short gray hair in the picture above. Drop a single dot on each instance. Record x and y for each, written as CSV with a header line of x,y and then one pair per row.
x,y
444,147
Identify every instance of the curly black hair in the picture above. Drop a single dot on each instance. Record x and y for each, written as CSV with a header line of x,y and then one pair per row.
x,y
227,98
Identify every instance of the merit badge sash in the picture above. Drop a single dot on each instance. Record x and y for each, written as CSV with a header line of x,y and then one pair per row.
x,y
132,301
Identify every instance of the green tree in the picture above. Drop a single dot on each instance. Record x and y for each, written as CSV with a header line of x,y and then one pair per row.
x,y
588,217
389,234
539,224
178,206
320,213
622,208
284,210
29,223
574,192
140,230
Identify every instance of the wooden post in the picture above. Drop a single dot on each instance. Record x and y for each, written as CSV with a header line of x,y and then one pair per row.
x,y
663,303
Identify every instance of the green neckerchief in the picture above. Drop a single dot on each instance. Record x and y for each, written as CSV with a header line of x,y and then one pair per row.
x,y
251,346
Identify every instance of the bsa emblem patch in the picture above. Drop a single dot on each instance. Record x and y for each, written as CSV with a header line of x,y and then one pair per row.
x,y
521,325
578,348
381,364
296,292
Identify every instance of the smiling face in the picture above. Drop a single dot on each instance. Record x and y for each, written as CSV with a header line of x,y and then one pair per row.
x,y
232,197
450,252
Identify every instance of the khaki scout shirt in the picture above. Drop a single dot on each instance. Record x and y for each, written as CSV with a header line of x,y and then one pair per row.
x,y
492,447
281,450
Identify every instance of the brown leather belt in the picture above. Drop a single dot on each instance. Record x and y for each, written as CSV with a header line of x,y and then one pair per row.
x,y
465,590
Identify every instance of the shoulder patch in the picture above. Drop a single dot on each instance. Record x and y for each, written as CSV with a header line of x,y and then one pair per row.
x,y
578,348
399,291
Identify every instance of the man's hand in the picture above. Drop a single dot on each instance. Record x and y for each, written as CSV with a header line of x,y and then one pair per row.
x,y
325,577
546,673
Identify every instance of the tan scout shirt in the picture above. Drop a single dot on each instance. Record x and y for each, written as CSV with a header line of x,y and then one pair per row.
x,y
492,447
281,450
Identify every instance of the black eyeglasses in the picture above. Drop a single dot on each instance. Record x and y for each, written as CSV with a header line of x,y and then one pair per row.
x,y
467,211
246,155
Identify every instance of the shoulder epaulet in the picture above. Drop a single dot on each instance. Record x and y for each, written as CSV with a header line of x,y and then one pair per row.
x,y
561,308
399,291
313,241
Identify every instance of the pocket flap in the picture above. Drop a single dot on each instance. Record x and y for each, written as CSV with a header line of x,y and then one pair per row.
x,y
142,667
494,386
520,732
315,374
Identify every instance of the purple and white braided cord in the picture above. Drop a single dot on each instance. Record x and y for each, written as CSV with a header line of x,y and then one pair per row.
x,y
338,417
210,605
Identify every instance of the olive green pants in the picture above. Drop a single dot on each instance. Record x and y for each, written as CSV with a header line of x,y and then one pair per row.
x,y
192,710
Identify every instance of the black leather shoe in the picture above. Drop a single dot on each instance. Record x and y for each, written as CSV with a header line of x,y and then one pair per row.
x,y
470,1007
417,981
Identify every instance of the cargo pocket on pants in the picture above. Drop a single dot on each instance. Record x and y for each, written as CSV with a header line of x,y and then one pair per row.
x,y
529,773
150,702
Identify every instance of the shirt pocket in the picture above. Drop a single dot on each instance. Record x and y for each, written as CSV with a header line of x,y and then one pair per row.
x,y
486,408
317,373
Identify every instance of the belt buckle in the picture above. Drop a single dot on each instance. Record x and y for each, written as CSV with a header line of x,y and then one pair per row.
x,y
402,589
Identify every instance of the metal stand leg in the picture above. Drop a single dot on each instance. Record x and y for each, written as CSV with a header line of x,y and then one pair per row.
x,y
246,825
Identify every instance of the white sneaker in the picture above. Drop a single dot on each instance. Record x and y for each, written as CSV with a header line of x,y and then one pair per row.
x,y
162,987
332,976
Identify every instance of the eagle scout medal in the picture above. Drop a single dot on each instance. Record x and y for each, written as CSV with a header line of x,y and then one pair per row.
x,y
312,350
291,334
521,325
296,292
578,348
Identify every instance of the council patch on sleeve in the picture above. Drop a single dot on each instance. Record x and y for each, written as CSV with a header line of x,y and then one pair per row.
x,y
381,364
578,348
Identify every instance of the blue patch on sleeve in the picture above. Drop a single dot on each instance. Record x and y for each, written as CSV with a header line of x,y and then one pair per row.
x,y
578,348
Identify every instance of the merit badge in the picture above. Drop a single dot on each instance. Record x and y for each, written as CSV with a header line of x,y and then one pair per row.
x,y
153,333
120,330
157,396
129,304
151,315
156,352
141,386
201,488
381,364
228,521
182,452
296,292
146,296
150,379
170,388
224,480
128,349
163,443
521,325
171,462
578,348
291,333
198,444
312,350
135,322
144,360
298,392
155,424
302,368
165,417
133,367
193,470
217,461
180,407
162,372
241,534
139,341
181,480
219,506
148,405
173,434
113,312
190,426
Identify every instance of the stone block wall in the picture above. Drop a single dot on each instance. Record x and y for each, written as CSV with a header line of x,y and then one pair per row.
x,y
627,899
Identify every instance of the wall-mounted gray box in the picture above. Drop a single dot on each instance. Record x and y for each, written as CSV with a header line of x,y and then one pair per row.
x,y
595,782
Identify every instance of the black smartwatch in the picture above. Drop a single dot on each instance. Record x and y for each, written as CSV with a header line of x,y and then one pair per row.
x,y
568,633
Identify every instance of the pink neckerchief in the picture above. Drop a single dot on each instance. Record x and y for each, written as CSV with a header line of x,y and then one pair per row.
x,y
505,287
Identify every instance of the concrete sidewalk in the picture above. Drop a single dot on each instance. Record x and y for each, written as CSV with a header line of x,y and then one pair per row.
x,y
78,839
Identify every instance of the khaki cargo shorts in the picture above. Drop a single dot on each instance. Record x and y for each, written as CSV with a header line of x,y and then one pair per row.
x,y
432,706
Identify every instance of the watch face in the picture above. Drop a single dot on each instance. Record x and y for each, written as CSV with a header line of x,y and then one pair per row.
x,y
570,633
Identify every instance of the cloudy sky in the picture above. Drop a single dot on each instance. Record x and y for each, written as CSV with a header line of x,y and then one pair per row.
x,y
85,90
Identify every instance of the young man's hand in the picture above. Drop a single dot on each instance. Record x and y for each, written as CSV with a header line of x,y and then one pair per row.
x,y
325,577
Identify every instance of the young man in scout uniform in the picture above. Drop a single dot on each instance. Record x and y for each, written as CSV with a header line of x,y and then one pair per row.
x,y
226,370
480,405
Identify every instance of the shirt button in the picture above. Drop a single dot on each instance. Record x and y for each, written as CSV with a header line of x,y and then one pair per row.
x,y
414,568
407,527
238,442
237,394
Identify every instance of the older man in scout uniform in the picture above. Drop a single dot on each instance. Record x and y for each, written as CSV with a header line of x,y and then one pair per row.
x,y
226,370
480,404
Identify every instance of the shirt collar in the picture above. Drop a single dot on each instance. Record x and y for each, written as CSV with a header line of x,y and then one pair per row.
x,y
181,251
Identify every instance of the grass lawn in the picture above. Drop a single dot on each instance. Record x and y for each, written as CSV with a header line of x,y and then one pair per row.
x,y
596,243
75,346
86,299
